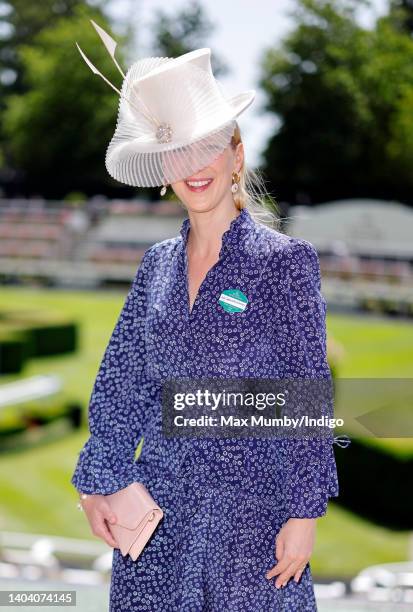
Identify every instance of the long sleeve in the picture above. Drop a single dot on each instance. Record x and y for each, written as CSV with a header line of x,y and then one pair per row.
x,y
115,408
310,467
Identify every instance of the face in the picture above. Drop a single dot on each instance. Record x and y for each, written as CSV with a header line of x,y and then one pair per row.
x,y
218,175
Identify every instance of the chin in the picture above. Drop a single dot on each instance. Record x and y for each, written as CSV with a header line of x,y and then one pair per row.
x,y
198,206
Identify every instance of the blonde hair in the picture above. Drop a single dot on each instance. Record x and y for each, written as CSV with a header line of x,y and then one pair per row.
x,y
252,192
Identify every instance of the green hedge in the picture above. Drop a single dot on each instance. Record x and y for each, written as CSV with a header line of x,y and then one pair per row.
x,y
27,334
19,418
14,351
376,484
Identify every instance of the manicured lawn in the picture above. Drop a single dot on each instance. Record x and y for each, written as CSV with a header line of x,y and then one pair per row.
x,y
373,347
36,493
377,348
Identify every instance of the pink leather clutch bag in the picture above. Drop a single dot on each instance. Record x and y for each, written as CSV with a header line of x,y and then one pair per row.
x,y
137,518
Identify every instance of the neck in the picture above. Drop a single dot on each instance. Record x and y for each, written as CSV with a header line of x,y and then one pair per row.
x,y
207,228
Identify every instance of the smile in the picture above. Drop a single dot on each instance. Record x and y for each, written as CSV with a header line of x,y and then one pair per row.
x,y
198,186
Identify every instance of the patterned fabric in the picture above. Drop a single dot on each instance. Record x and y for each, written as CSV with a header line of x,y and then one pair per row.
x,y
224,500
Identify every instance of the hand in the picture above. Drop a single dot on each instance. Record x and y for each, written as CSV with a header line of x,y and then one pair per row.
x,y
98,512
293,548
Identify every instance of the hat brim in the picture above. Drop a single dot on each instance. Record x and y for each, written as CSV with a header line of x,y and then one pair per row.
x,y
238,104
142,163
242,101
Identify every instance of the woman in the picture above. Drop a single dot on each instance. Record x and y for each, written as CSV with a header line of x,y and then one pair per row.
x,y
239,514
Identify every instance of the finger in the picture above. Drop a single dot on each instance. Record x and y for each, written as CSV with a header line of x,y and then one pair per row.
x,y
279,567
110,517
102,530
282,563
283,578
107,513
110,538
289,573
299,573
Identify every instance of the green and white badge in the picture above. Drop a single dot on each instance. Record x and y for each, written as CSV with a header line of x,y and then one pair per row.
x,y
233,300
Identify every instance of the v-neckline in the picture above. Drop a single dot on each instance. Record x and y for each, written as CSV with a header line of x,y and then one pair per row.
x,y
188,308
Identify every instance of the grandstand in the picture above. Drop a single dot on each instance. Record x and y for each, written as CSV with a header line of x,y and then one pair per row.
x,y
365,246
365,249
122,238
359,238
42,240
39,234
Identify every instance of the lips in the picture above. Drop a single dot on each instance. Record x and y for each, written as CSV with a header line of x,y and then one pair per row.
x,y
198,185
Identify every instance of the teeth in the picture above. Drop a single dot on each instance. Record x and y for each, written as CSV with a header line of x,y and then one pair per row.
x,y
197,183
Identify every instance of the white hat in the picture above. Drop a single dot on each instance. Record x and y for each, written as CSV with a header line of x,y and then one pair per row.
x,y
173,118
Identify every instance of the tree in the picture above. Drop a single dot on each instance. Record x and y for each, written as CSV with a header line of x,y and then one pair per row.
x,y
58,130
57,119
184,31
343,95
20,22
401,12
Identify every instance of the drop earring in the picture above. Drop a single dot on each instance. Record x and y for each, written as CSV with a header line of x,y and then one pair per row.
x,y
163,190
235,181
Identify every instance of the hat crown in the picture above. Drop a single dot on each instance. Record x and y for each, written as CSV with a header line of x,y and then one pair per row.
x,y
199,57
180,92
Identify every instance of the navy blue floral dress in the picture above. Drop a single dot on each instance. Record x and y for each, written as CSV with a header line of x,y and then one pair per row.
x,y
224,500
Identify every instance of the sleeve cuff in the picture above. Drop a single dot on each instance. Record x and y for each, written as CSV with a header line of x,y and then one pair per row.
x,y
311,479
103,467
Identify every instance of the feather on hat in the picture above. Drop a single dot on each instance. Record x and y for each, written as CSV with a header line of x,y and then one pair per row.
x,y
173,118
